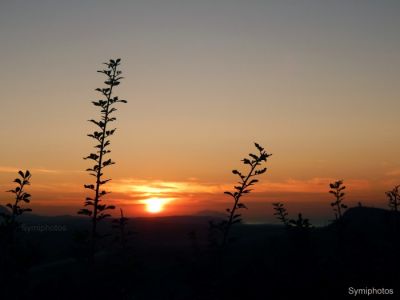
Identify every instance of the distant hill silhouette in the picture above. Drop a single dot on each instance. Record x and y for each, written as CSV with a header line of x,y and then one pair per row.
x,y
368,216
4,209
211,213
369,221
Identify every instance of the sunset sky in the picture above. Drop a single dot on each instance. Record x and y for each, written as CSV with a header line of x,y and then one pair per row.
x,y
317,83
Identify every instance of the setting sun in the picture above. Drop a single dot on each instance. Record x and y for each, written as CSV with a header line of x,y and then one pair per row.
x,y
155,205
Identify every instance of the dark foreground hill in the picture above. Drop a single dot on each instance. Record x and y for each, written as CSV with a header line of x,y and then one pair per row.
x,y
170,258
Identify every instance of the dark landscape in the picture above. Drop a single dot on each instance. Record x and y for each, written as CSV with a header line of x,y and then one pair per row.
x,y
171,258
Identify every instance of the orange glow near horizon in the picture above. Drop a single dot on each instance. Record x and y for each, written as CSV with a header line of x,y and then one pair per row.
x,y
157,197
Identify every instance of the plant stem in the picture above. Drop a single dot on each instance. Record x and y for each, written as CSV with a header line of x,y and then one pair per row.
x,y
237,198
100,168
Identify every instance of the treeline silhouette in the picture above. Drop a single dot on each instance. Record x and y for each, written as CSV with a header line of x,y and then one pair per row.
x,y
215,258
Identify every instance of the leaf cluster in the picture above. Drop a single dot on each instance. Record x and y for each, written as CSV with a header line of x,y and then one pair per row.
x,y
281,213
394,198
300,222
247,180
337,189
20,197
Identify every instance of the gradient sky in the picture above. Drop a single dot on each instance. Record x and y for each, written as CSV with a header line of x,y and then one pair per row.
x,y
317,83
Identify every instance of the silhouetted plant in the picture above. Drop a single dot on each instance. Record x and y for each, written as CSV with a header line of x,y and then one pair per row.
x,y
122,236
300,223
16,255
10,223
95,209
337,189
245,182
394,198
281,213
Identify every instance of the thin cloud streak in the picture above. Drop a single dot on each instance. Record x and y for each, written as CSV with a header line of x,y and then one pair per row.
x,y
6,169
316,185
393,173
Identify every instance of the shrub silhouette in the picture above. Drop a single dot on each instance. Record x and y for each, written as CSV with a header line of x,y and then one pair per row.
x,y
300,223
298,232
16,256
337,189
95,209
394,198
281,213
245,182
10,223
122,234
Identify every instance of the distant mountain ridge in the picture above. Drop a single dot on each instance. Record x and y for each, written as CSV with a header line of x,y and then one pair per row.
x,y
4,209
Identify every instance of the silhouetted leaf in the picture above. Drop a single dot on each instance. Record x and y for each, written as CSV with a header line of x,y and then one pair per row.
x,y
229,193
253,181
255,157
262,171
89,186
259,147
246,161
241,205
85,211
